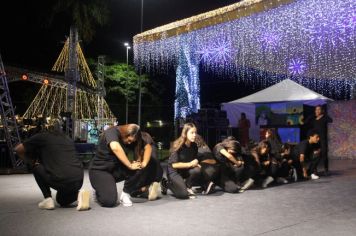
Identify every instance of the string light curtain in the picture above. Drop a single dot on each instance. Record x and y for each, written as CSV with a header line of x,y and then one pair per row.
x,y
263,42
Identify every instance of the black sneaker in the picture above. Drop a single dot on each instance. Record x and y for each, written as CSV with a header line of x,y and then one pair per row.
x,y
164,186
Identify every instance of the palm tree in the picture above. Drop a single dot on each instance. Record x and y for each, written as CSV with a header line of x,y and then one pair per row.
x,y
85,15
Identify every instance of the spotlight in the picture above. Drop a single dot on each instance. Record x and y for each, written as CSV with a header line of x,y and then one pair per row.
x,y
45,81
24,77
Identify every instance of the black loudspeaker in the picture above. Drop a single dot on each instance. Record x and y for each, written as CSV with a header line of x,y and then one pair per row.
x,y
221,114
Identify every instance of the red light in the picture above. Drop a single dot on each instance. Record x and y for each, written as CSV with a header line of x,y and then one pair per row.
x,y
46,81
24,77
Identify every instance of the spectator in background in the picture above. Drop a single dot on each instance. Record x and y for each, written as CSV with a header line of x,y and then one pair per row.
x,y
244,126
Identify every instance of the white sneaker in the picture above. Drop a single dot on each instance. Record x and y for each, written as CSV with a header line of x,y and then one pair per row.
x,y
267,181
191,193
282,180
83,200
125,199
314,177
246,185
154,191
46,204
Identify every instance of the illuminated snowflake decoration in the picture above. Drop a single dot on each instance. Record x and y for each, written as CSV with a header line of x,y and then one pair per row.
x,y
270,40
221,52
205,54
297,67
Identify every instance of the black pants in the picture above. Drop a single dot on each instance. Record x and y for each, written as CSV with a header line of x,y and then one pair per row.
x,y
283,169
67,192
250,168
104,180
268,170
178,185
229,176
210,173
310,163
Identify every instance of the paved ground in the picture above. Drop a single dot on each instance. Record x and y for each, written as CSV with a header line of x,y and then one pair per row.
x,y
323,207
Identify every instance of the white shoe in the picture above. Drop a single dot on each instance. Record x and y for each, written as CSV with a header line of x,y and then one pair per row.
x,y
46,204
267,181
246,185
154,191
282,180
83,200
125,199
191,193
294,175
314,177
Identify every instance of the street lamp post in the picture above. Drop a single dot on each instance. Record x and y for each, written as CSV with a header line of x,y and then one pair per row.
x,y
127,45
139,79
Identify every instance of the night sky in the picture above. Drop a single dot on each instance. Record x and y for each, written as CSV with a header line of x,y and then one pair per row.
x,y
26,42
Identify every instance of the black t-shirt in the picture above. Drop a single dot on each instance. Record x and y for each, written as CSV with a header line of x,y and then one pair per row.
x,y
204,153
184,154
305,148
56,152
105,157
220,157
321,125
275,145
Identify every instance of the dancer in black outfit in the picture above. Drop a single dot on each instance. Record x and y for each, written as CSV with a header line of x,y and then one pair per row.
x,y
54,164
267,164
112,164
319,123
307,155
231,164
209,166
285,165
183,165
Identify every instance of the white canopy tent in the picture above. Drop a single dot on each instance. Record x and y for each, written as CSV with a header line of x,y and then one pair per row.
x,y
285,91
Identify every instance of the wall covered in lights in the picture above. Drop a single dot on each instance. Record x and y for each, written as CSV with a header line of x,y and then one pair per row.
x,y
342,141
310,41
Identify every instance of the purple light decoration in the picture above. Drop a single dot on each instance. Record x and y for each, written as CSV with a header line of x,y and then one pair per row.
x,y
221,52
205,54
269,40
297,67
323,34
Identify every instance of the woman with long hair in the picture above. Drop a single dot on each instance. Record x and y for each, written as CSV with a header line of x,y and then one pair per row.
x,y
183,165
228,154
122,154
267,164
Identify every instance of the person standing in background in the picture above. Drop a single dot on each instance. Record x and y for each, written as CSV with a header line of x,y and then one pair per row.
x,y
244,126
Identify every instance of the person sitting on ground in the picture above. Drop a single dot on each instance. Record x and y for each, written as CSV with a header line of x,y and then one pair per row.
x,y
209,166
54,164
267,164
146,191
274,142
228,154
307,155
285,165
111,164
183,166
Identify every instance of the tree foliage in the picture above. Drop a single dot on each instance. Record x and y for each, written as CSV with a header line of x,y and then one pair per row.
x,y
85,15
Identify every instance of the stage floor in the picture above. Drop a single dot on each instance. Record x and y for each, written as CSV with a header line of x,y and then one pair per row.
x,y
322,207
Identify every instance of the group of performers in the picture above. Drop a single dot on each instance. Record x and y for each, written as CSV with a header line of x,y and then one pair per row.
x,y
125,153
